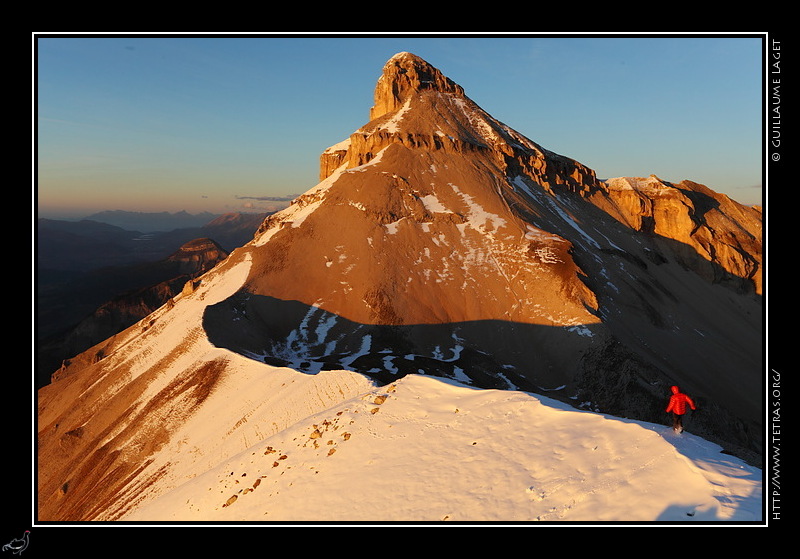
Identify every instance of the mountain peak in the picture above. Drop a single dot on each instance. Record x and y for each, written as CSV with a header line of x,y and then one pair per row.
x,y
418,107
405,74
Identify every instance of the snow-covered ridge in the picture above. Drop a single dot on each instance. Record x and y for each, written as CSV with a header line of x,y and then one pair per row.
x,y
432,450
298,210
651,185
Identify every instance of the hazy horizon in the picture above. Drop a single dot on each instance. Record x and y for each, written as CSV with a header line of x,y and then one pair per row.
x,y
78,215
222,124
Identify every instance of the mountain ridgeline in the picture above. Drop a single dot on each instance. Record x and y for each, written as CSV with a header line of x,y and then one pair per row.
x,y
440,241
180,269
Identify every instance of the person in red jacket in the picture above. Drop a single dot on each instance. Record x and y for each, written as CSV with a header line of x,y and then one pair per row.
x,y
677,405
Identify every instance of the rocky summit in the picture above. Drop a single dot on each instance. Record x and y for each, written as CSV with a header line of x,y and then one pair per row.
x,y
440,241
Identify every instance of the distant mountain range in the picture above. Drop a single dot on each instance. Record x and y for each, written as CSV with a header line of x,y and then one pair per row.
x,y
100,241
87,267
148,222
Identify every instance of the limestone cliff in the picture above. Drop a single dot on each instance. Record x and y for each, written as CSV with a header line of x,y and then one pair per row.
x,y
404,75
726,234
417,107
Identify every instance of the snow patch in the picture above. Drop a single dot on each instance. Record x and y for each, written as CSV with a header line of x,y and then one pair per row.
x,y
391,228
479,217
547,255
652,185
298,211
433,205
393,124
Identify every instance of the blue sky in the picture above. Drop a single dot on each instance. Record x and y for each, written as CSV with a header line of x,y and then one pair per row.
x,y
174,123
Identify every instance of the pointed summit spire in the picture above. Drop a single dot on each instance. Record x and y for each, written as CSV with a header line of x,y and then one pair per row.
x,y
403,74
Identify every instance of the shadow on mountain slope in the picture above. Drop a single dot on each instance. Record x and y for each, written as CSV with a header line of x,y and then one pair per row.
x,y
488,353
581,365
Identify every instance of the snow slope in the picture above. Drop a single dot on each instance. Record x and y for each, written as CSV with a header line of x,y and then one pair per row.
x,y
277,445
273,444
425,449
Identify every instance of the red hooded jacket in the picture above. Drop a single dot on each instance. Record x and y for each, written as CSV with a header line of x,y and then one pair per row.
x,y
678,401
